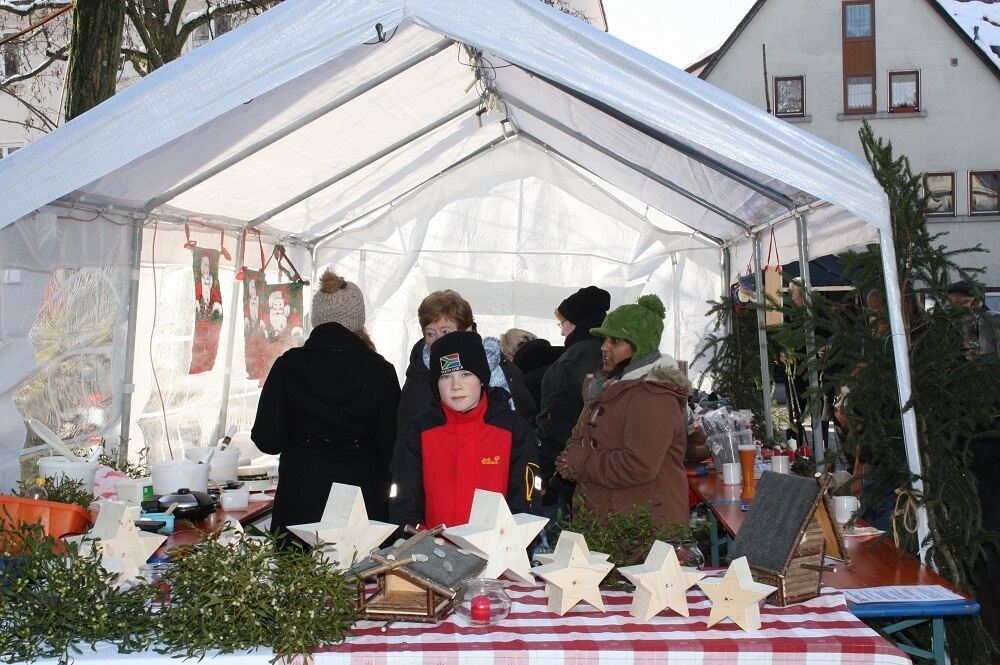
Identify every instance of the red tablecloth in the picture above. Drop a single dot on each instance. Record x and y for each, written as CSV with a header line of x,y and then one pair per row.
x,y
819,631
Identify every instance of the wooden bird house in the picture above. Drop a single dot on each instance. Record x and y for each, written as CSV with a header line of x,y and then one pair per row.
x,y
788,532
416,580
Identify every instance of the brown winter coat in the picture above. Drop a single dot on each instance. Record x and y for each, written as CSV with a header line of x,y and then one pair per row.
x,y
627,447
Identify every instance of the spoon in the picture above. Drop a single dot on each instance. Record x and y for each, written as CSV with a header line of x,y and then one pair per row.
x,y
50,437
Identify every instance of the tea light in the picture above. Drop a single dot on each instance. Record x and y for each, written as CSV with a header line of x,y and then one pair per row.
x,y
480,608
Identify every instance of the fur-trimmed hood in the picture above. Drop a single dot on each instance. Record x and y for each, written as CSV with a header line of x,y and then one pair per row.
x,y
664,370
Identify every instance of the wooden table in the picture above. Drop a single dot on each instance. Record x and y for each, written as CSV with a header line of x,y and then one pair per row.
x,y
874,562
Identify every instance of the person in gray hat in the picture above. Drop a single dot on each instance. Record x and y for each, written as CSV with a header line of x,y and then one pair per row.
x,y
329,408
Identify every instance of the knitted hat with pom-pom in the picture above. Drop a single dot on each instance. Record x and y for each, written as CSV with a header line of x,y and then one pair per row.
x,y
338,301
641,324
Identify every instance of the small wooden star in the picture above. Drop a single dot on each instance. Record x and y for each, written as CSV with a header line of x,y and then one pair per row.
x,y
660,582
574,574
736,596
123,547
499,537
344,527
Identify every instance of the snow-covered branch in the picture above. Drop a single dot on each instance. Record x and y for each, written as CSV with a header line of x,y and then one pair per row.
x,y
22,8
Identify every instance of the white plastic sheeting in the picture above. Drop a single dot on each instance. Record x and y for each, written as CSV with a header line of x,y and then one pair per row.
x,y
516,231
303,124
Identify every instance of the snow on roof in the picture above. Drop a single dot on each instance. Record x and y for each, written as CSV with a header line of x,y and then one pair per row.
x,y
981,20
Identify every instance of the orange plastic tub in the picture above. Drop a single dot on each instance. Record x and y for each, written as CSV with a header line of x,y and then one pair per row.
x,y
58,519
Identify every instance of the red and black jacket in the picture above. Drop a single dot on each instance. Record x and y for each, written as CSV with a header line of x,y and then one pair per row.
x,y
442,457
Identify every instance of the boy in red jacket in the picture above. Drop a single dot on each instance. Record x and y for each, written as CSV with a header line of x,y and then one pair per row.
x,y
469,440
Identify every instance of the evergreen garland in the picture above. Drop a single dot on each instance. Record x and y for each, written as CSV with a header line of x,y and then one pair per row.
x,y
956,397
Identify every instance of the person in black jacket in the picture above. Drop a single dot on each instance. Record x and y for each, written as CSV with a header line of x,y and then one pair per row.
x,y
534,358
562,388
468,439
444,312
329,408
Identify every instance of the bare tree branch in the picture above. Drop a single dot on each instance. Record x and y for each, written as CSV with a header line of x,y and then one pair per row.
x,y
25,8
34,110
16,78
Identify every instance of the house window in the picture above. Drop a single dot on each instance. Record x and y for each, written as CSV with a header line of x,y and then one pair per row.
x,y
860,94
789,96
984,191
858,20
7,151
9,62
904,92
859,56
941,187
201,35
223,24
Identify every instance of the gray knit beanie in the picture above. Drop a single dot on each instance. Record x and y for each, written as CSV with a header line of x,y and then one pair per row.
x,y
338,301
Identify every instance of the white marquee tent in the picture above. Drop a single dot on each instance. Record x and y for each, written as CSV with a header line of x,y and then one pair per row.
x,y
501,148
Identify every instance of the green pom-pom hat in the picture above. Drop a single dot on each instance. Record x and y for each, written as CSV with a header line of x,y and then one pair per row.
x,y
641,324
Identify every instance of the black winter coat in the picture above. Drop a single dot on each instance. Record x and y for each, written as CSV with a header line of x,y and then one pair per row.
x,y
329,408
418,394
562,393
533,359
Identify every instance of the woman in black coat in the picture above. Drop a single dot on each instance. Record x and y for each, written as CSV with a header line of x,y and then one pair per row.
x,y
329,408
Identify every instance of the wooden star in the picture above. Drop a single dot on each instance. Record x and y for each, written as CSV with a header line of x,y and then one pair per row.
x,y
736,596
499,537
123,547
344,529
660,582
574,574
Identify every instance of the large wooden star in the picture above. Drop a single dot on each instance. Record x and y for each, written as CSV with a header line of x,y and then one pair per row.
x,y
574,574
499,537
660,582
344,528
736,596
123,547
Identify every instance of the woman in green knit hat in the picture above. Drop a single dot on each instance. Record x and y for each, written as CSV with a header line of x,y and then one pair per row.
x,y
627,447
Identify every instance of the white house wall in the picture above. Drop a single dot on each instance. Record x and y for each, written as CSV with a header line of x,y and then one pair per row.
x,y
959,131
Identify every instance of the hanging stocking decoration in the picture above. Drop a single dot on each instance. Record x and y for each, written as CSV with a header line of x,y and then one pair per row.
x,y
207,308
254,300
281,315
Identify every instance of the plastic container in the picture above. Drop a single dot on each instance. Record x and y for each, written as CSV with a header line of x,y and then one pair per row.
x,y
57,519
172,475
724,446
222,467
59,467
236,499
169,519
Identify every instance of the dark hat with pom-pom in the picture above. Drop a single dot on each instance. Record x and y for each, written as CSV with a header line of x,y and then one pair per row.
x,y
641,324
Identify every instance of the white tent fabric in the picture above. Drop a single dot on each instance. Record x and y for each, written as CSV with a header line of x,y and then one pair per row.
x,y
388,159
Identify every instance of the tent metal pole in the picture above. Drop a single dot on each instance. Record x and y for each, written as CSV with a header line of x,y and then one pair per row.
x,y
816,401
544,146
669,141
368,161
655,177
220,427
128,387
727,279
676,306
310,117
765,368
901,353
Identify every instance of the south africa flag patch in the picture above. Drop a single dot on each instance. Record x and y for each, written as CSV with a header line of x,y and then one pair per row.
x,y
450,363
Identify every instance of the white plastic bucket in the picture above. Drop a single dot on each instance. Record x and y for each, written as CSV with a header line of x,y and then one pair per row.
x,y
59,467
237,499
172,475
222,467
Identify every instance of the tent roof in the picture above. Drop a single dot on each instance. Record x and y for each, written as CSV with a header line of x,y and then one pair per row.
x,y
301,122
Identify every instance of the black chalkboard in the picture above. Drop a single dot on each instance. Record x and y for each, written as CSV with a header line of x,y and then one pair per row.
x,y
775,519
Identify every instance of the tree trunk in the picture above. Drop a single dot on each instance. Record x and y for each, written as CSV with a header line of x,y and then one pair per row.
x,y
94,54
